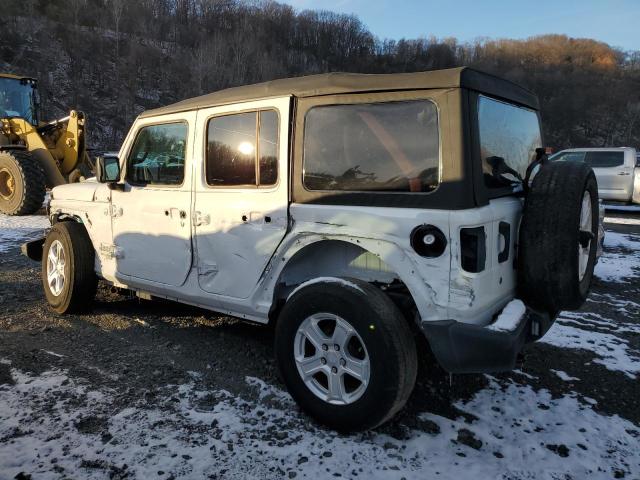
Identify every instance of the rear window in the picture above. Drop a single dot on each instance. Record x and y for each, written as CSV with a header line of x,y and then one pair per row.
x,y
509,136
385,147
595,159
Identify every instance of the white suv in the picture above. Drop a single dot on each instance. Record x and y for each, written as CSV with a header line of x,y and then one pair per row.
x,y
355,211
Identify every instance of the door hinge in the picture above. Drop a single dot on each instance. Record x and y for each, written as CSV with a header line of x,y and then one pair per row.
x,y
207,269
113,211
110,250
200,219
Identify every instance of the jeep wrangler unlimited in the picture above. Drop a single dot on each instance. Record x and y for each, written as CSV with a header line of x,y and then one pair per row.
x,y
354,211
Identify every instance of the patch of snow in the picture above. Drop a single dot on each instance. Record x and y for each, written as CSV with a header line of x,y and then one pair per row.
x,y
622,240
597,322
510,316
619,266
341,281
564,376
141,322
14,230
53,354
622,220
622,208
613,352
525,434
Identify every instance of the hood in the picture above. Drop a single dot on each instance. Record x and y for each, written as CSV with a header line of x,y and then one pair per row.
x,y
83,191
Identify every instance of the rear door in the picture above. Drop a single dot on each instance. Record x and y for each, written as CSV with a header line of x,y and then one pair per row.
x,y
241,193
613,175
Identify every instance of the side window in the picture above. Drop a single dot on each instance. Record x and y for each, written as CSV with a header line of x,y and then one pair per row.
x,y
242,149
569,157
604,159
157,156
509,136
382,147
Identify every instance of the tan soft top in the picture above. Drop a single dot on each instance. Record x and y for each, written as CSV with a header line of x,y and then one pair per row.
x,y
15,77
337,83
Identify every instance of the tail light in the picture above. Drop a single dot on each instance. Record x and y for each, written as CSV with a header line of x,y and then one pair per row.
x,y
473,249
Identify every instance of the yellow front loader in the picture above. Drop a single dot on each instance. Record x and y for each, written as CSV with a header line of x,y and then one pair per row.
x,y
33,154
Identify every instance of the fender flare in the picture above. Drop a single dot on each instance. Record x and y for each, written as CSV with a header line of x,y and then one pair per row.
x,y
424,295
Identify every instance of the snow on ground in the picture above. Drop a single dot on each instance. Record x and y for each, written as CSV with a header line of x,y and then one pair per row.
x,y
564,376
622,264
519,433
52,425
14,230
622,208
622,220
611,351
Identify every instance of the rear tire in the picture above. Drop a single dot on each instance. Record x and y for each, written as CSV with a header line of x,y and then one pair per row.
x,y
380,340
557,254
68,275
22,183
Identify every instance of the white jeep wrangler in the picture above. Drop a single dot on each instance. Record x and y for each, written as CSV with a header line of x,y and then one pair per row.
x,y
355,211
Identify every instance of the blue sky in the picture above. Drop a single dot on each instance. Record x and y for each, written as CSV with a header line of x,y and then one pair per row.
x,y
616,22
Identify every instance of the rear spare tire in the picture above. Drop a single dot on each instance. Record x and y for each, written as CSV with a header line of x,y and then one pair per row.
x,y
22,183
558,237
68,275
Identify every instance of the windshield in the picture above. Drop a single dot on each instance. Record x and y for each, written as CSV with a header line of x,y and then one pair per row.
x,y
385,147
17,99
509,136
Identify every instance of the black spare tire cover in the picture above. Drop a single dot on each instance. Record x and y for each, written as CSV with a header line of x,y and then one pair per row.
x,y
558,237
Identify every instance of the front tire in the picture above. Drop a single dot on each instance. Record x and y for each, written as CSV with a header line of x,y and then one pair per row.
x,y
346,353
68,275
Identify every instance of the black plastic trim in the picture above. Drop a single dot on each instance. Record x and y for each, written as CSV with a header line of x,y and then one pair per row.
x,y
473,248
498,87
504,229
33,249
466,348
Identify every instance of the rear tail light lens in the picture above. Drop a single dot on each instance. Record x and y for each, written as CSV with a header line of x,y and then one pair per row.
x,y
473,249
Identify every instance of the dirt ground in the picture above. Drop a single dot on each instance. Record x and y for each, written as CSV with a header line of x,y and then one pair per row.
x,y
154,389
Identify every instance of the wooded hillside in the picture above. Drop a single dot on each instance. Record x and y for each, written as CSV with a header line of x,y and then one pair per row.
x,y
115,58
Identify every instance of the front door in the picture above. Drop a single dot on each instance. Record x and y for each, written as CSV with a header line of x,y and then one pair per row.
x,y
241,193
151,212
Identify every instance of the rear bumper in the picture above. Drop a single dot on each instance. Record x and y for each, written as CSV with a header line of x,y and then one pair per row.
x,y
466,348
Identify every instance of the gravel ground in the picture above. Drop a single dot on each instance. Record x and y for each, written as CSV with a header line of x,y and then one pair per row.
x,y
143,389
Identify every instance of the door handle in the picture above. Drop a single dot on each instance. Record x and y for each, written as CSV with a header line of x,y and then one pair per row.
x,y
624,173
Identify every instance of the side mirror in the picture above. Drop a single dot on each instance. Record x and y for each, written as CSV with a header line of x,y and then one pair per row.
x,y
107,169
